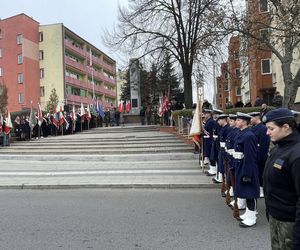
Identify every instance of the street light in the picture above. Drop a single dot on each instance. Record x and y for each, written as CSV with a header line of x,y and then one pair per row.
x,y
213,55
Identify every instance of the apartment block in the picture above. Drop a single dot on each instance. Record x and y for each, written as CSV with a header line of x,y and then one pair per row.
x,y
78,71
35,59
19,61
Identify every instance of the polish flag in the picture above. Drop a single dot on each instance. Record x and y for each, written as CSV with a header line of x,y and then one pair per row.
x,y
121,107
8,124
40,115
128,106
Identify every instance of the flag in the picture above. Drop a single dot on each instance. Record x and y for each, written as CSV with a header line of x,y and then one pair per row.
x,y
8,124
88,113
91,58
82,112
40,115
74,117
101,111
160,107
1,122
32,118
128,106
121,107
55,117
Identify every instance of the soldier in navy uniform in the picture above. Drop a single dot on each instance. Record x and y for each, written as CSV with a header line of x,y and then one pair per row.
x,y
246,169
229,144
224,131
208,140
214,154
260,130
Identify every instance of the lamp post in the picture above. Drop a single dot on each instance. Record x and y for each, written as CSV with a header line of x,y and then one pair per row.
x,y
213,55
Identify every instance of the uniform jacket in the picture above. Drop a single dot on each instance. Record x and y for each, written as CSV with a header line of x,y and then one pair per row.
x,y
282,182
224,131
208,136
246,143
263,140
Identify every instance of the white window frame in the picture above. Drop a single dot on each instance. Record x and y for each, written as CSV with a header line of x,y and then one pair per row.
x,y
236,91
19,39
20,78
41,36
20,58
41,55
42,91
0,52
1,71
42,73
21,98
270,63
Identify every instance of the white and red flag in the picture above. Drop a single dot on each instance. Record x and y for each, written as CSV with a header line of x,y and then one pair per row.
x,y
8,124
88,113
128,106
82,112
121,107
40,115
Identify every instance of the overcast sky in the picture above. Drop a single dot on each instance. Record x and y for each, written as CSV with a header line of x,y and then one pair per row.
x,y
87,18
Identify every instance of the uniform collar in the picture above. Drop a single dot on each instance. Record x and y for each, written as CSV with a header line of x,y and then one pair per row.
x,y
294,137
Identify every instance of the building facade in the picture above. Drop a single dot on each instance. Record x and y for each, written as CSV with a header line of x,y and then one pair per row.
x,y
259,55
35,59
19,61
222,87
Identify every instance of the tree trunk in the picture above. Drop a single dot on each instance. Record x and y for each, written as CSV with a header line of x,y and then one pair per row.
x,y
188,90
290,85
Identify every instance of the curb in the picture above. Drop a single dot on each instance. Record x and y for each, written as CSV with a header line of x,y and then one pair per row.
x,y
112,186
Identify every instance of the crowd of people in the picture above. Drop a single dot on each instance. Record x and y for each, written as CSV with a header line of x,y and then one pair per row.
x,y
236,152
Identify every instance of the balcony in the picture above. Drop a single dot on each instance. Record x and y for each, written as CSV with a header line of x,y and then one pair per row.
x,y
88,86
104,65
76,65
104,78
75,49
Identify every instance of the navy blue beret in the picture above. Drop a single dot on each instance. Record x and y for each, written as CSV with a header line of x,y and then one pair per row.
x,y
278,114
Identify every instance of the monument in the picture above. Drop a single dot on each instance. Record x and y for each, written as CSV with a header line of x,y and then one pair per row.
x,y
135,91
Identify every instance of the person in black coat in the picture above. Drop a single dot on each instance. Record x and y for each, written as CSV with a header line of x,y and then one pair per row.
x,y
282,179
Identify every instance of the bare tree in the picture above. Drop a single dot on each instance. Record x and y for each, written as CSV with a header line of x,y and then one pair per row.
x,y
278,31
181,27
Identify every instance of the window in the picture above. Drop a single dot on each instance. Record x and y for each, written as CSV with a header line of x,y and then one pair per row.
x,y
41,55
20,58
1,71
226,100
0,34
0,52
42,91
226,75
42,73
220,86
19,39
21,98
220,105
226,87
264,34
263,6
41,35
20,78
265,66
238,72
220,95
238,91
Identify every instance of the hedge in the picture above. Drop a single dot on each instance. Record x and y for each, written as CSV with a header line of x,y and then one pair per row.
x,y
187,113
